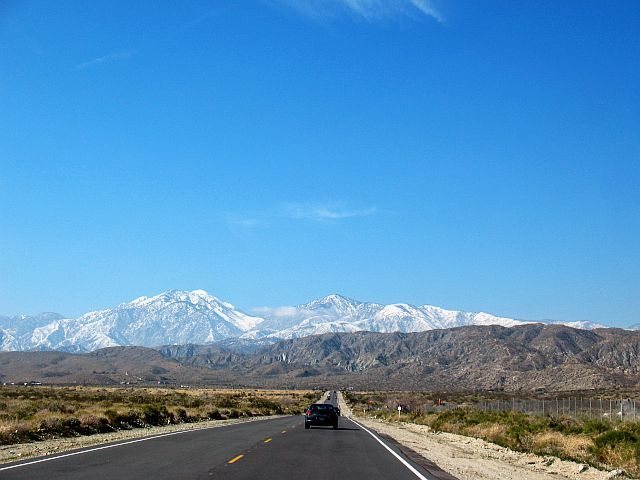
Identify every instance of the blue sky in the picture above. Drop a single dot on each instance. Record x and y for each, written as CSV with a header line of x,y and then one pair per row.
x,y
481,156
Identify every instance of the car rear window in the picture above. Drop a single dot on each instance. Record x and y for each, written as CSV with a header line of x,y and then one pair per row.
x,y
320,407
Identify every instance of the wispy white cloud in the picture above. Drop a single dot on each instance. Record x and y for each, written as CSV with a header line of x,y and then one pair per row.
x,y
111,57
428,9
324,212
318,211
370,10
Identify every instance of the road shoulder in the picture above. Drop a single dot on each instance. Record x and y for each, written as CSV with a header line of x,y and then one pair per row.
x,y
470,458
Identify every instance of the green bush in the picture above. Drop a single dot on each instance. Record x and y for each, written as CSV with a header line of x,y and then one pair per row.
x,y
155,414
596,426
567,425
615,437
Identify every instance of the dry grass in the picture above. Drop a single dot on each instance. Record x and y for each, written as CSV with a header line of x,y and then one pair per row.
x,y
35,413
570,446
492,432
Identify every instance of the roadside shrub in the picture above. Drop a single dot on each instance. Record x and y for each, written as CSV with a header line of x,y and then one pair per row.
x,y
126,420
61,407
614,438
566,425
619,448
31,414
112,416
91,424
227,402
192,402
155,414
60,427
214,415
265,403
181,415
15,432
26,411
596,426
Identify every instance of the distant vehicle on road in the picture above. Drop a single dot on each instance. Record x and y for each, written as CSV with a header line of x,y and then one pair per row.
x,y
321,414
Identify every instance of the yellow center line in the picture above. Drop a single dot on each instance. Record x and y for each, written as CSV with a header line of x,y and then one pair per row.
x,y
234,460
268,440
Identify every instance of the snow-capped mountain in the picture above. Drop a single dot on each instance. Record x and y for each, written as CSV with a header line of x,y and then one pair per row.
x,y
182,317
173,317
15,332
336,313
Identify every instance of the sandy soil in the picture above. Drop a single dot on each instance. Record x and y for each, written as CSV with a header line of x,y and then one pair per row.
x,y
474,459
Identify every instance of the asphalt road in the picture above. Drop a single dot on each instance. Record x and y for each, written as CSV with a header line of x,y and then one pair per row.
x,y
278,448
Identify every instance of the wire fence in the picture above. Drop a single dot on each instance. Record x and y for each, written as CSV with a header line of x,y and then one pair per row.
x,y
622,409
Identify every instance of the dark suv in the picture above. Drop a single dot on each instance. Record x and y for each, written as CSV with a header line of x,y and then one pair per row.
x,y
321,414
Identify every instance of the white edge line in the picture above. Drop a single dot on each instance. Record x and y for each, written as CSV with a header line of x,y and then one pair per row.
x,y
114,445
404,462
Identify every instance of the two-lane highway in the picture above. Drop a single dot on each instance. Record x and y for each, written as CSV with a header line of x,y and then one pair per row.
x,y
269,449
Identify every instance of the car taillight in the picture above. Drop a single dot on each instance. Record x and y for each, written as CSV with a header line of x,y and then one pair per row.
x,y
307,413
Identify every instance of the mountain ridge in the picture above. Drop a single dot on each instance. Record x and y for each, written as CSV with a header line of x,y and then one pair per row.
x,y
184,317
525,358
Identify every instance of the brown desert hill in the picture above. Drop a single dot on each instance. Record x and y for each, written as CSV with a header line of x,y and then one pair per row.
x,y
527,357
532,357
107,366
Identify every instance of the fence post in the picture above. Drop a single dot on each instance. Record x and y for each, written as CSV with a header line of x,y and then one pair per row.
x,y
557,408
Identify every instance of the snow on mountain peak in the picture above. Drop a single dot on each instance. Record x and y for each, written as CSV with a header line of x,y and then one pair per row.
x,y
333,301
183,316
174,316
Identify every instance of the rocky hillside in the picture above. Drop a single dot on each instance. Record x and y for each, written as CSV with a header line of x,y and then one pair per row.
x,y
526,357
533,357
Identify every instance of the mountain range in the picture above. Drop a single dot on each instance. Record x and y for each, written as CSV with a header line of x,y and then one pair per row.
x,y
180,317
524,358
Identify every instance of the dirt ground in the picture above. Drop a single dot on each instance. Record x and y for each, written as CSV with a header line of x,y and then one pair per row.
x,y
470,458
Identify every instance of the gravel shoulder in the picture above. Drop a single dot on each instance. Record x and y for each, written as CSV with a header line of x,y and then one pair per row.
x,y
21,451
470,458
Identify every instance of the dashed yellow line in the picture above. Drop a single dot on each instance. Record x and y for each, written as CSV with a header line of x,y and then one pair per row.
x,y
234,460
268,440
